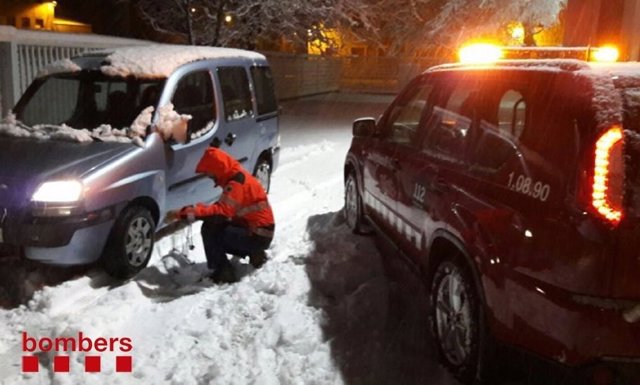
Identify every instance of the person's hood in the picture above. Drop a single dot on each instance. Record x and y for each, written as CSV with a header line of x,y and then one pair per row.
x,y
217,162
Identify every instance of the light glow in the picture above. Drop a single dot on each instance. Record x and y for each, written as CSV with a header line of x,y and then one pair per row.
x,y
58,191
606,54
601,199
228,18
518,32
480,53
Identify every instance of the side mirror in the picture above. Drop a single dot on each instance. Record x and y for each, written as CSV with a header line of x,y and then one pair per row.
x,y
364,127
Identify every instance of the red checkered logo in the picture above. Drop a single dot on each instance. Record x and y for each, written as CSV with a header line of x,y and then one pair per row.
x,y
62,362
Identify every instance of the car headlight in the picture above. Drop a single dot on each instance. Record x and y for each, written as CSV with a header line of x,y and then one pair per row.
x,y
64,191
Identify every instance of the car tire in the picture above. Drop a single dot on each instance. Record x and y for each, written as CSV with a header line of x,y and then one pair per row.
x,y
353,205
262,172
130,243
457,322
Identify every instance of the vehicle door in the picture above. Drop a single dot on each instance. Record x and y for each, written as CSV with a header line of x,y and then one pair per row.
x,y
396,135
432,176
266,108
240,133
193,95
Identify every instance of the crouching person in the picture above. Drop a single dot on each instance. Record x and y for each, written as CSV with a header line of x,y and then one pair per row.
x,y
240,222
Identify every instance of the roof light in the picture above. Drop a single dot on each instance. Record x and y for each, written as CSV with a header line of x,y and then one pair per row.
x,y
480,53
607,198
606,54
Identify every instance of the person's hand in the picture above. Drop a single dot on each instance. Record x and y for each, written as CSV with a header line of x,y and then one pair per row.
x,y
188,213
172,216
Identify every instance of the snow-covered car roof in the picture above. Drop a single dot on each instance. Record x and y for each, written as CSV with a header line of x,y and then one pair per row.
x,y
152,61
627,72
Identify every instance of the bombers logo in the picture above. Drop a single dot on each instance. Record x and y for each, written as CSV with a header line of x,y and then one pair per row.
x,y
79,343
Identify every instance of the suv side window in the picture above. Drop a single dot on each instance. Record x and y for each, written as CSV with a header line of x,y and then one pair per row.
x,y
448,126
265,97
527,139
401,125
502,123
194,96
236,95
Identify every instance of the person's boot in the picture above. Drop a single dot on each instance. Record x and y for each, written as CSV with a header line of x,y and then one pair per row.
x,y
258,259
224,274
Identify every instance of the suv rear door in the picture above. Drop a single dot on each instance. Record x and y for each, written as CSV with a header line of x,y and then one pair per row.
x,y
396,134
430,174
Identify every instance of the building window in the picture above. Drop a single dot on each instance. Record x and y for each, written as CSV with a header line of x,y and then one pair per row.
x,y
40,23
26,22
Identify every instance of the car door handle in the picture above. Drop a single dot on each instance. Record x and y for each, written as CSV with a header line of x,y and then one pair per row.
x,y
230,139
439,186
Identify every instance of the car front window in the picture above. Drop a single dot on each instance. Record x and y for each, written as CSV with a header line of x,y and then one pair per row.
x,y
87,100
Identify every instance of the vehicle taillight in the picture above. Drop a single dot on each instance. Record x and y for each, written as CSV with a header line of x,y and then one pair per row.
x,y
608,177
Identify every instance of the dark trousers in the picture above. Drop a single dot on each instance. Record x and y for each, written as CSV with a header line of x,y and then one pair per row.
x,y
222,239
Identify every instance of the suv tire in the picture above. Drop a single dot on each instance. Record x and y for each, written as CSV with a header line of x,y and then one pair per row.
x,y
353,205
262,173
457,322
130,243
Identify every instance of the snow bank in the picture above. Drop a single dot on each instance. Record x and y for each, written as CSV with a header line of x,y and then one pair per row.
x,y
158,61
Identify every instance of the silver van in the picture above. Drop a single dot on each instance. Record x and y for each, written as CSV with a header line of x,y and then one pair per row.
x,y
85,172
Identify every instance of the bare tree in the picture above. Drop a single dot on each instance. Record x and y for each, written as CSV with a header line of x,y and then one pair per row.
x,y
241,23
459,20
429,24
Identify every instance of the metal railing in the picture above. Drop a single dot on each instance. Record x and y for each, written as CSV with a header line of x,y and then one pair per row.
x,y
24,53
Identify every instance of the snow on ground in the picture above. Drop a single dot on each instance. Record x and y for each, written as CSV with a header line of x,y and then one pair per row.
x,y
321,311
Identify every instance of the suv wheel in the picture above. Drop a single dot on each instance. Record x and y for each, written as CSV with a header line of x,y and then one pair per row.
x,y
262,173
130,243
457,322
353,205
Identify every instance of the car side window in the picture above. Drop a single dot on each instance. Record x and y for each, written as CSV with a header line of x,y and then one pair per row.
x,y
403,121
528,136
501,125
450,123
263,83
194,96
236,94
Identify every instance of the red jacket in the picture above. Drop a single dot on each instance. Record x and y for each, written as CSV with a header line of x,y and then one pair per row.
x,y
243,200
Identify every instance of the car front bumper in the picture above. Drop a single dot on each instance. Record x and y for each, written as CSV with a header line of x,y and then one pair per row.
x,y
72,240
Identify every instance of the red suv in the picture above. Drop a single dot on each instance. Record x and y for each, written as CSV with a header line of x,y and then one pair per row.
x,y
514,189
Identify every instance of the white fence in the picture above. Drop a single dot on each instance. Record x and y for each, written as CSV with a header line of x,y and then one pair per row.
x,y
24,53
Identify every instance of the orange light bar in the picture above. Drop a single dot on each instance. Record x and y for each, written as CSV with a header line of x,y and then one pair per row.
x,y
605,54
600,197
480,53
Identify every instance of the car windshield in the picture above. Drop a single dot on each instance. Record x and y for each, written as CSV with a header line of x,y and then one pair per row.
x,y
87,99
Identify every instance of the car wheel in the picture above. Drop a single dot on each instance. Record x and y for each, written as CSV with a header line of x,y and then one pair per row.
x,y
262,173
130,243
353,205
457,322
